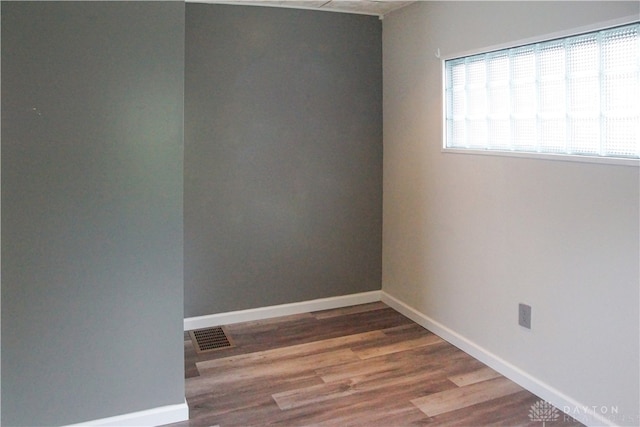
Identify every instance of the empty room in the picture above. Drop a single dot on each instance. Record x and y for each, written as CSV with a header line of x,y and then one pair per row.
x,y
391,213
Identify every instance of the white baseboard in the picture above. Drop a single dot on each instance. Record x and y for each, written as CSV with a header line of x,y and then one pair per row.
x,y
261,313
580,412
149,418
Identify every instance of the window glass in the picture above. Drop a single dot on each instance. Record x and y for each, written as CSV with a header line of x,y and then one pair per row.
x,y
577,95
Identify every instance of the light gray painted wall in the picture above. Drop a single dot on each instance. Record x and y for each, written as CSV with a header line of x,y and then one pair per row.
x,y
283,156
92,305
466,238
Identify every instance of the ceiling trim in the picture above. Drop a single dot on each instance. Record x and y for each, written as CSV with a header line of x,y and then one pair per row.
x,y
295,5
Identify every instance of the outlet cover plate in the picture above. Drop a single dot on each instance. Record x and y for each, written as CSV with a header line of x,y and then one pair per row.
x,y
524,315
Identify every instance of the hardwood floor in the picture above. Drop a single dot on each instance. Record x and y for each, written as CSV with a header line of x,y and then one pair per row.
x,y
358,366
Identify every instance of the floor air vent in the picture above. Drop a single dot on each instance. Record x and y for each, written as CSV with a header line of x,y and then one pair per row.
x,y
210,339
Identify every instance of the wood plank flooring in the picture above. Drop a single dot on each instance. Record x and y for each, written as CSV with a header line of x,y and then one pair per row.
x,y
358,366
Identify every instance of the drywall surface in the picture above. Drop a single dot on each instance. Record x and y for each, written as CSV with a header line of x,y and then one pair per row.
x,y
92,306
466,238
283,156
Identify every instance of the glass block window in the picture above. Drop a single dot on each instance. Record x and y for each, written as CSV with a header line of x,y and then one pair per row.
x,y
577,95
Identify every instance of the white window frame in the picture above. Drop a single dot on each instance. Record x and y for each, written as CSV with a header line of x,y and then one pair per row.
x,y
635,162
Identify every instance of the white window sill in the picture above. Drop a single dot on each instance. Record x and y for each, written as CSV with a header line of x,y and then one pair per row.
x,y
618,161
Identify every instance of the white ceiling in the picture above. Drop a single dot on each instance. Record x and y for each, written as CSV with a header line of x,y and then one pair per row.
x,y
366,7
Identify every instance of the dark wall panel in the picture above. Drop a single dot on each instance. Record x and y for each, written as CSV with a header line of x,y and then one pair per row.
x,y
92,131
283,156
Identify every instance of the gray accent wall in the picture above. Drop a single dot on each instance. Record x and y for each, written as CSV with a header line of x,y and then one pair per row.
x,y
92,169
283,156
